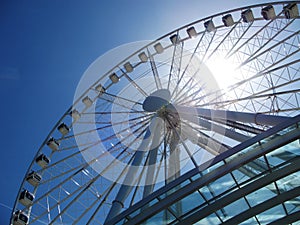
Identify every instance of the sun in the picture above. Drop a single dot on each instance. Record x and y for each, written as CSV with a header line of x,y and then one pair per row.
x,y
224,70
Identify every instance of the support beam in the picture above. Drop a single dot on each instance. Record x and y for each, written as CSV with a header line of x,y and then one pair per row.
x,y
212,114
149,184
125,189
215,127
157,102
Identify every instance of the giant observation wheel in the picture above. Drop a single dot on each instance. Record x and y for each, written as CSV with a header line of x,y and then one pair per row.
x,y
190,127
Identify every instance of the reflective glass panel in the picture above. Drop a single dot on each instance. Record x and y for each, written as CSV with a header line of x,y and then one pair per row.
x,y
186,204
271,214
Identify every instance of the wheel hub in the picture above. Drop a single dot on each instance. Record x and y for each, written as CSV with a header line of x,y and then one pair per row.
x,y
159,102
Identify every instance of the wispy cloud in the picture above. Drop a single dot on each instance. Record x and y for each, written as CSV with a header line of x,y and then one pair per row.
x,y
5,206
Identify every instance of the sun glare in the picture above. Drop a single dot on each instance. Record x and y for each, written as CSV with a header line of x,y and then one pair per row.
x,y
224,71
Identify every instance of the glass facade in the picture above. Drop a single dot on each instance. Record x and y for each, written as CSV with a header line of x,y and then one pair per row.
x,y
257,182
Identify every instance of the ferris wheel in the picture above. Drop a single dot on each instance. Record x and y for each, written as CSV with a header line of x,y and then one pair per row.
x,y
172,105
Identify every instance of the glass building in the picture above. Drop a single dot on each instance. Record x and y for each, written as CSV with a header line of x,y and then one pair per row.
x,y
256,182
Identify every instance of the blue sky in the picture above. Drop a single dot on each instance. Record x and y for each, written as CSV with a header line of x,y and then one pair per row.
x,y
45,47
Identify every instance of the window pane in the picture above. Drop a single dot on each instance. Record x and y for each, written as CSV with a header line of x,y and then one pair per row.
x,y
234,209
222,184
293,205
261,195
163,217
209,220
271,214
187,204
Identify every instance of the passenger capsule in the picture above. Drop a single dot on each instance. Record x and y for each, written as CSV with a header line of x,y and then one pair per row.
x,y
42,161
87,101
247,16
53,144
34,178
191,32
268,12
158,48
228,20
114,78
20,218
26,198
63,129
143,57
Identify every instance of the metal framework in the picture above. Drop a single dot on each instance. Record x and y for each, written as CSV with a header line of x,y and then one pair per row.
x,y
159,138
266,145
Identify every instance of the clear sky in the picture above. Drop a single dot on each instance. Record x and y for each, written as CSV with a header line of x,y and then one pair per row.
x,y
46,45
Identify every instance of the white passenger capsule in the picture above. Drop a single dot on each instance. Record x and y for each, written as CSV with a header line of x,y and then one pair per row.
x,y
209,26
20,218
53,144
268,12
114,78
247,16
34,178
291,11
175,39
191,31
228,20
128,67
75,115
158,48
42,161
87,101
26,198
63,129
100,89
143,57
